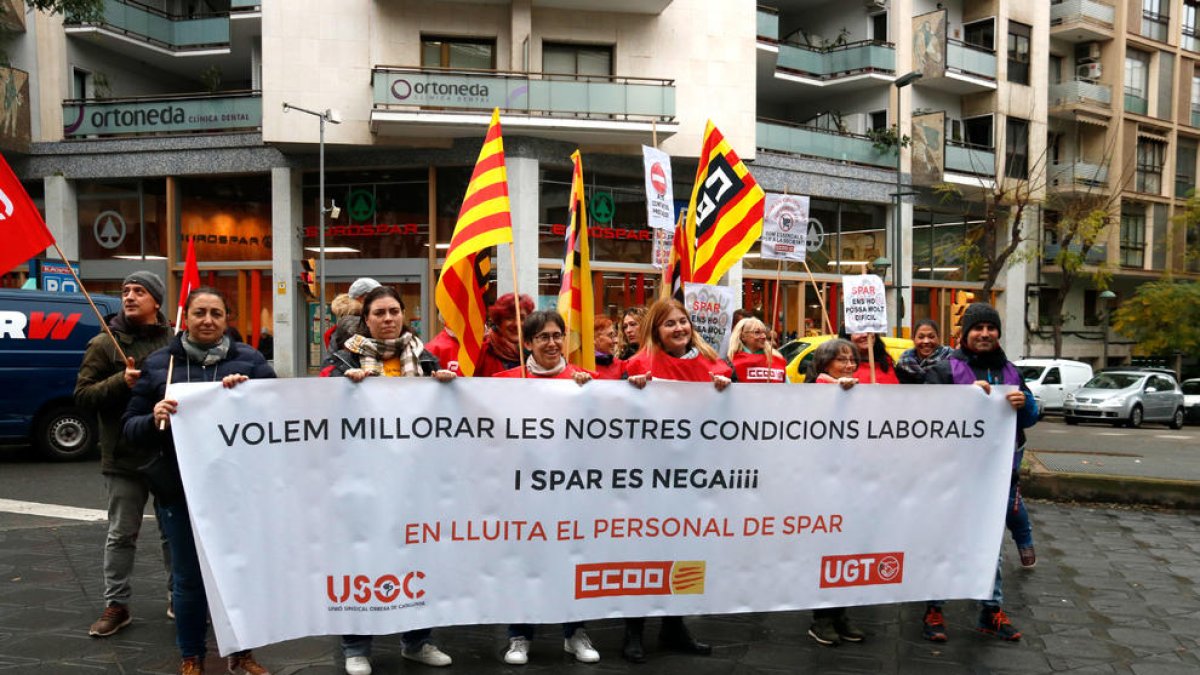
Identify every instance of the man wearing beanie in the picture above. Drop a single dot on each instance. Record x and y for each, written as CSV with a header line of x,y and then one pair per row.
x,y
104,386
980,361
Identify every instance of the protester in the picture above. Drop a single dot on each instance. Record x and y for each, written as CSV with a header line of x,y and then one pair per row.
x,y
347,324
103,387
752,356
670,350
386,347
608,365
342,306
444,346
203,353
979,360
885,370
630,334
544,333
501,347
927,350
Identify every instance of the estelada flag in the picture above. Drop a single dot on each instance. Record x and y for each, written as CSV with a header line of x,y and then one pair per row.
x,y
23,233
484,220
725,213
576,303
191,281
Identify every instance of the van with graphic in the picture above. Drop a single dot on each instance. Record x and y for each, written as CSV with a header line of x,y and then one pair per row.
x,y
42,340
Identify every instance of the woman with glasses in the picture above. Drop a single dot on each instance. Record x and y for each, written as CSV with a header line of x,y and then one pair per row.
x,y
751,354
608,365
544,333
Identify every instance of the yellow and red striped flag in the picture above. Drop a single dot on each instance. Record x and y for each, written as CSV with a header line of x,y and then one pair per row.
x,y
484,221
575,299
725,213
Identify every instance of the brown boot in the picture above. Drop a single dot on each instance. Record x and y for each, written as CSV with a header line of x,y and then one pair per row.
x,y
243,663
115,617
192,665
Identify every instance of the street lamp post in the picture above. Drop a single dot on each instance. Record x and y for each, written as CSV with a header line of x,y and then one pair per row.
x,y
1106,297
897,244
333,117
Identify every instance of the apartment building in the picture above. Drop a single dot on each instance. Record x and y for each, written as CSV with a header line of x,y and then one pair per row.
x,y
165,120
1124,131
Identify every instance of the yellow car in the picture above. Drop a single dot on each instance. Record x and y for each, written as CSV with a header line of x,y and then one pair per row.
x,y
799,352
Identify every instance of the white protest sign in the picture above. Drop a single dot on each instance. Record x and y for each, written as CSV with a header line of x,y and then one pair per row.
x,y
865,303
663,241
785,227
660,193
325,507
710,309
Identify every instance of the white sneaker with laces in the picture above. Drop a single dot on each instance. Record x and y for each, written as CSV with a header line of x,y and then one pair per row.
x,y
428,654
518,651
358,665
580,646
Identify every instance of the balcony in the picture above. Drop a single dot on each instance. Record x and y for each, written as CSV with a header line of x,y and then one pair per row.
x,y
777,136
128,21
1068,97
1097,254
424,101
1077,176
607,6
1154,26
1082,20
1190,39
768,24
1136,104
163,115
970,159
856,64
970,69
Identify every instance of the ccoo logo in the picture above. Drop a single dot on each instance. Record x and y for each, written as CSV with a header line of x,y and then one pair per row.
x,y
679,577
862,569
362,589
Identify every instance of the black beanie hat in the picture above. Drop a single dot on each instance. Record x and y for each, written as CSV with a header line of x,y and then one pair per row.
x,y
977,313
149,281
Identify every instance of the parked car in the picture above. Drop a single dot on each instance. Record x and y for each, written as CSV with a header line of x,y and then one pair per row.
x,y
1051,380
1191,399
42,340
1126,397
798,352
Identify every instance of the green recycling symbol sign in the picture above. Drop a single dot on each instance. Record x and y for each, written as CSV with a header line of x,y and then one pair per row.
x,y
602,207
361,205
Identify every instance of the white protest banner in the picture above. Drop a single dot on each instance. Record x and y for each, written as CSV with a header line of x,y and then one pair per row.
x,y
785,227
663,241
325,507
710,309
865,303
660,193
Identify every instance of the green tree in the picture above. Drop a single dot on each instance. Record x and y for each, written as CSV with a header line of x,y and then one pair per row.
x,y
1163,317
1079,229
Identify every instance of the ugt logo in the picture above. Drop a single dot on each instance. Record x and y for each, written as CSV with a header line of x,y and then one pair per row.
x,y
862,569
386,588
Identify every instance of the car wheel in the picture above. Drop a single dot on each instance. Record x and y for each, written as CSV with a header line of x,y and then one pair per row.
x,y
1177,419
66,434
1135,417
1071,420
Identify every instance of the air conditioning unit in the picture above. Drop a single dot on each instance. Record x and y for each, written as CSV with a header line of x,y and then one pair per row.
x,y
1088,71
875,4
1088,51
954,130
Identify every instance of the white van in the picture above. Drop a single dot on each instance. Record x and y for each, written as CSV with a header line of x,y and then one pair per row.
x,y
1051,380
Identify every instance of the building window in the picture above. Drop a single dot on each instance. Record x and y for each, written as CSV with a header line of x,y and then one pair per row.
x,y
79,82
977,131
478,54
879,27
981,34
1091,308
1133,239
1156,15
1185,167
1149,166
1191,26
878,120
1137,80
1195,100
1016,148
1018,52
567,59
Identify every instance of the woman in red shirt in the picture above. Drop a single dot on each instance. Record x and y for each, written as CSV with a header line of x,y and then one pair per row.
x,y
501,350
751,354
609,366
885,370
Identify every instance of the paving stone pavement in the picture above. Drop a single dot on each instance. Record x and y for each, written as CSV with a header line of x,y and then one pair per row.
x,y
1114,592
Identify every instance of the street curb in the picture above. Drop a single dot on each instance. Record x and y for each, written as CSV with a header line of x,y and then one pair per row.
x,y
1039,482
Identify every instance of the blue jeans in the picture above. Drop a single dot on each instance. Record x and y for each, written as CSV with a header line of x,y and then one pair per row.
x,y
525,630
360,645
1016,519
187,592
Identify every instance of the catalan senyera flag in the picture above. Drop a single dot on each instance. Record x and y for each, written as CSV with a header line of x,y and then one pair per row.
x,y
23,233
575,299
191,281
725,213
679,268
484,221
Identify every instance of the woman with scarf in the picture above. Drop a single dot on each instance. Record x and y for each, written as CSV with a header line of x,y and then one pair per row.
x,y
927,350
608,365
202,353
385,347
631,332
751,355
544,333
501,347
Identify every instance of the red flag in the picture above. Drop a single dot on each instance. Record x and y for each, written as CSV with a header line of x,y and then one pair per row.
x,y
191,281
23,233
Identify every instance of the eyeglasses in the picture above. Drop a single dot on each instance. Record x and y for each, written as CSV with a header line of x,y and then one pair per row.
x,y
549,337
845,359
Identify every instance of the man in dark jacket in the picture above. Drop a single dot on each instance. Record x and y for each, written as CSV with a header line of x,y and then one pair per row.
x,y
980,361
104,385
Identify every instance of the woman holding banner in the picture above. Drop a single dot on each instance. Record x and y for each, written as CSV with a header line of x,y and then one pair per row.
x,y
544,333
608,365
751,355
885,370
927,350
385,347
202,353
631,332
501,347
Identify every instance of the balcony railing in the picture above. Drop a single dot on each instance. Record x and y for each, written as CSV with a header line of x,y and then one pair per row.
x,y
1136,104
244,4
970,59
768,24
1075,175
568,96
830,63
1081,91
1096,254
184,114
972,159
1087,11
159,28
780,136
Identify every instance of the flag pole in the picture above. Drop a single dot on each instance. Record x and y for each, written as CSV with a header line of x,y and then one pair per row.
x,y
82,289
775,304
512,257
820,298
871,354
654,133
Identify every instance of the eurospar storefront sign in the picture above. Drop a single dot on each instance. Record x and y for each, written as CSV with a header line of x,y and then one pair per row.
x,y
129,116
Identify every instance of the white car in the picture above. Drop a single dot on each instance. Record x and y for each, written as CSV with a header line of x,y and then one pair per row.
x,y
1051,380
1191,399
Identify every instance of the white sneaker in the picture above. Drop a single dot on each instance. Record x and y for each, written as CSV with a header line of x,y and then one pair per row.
x,y
428,654
518,651
579,645
358,665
